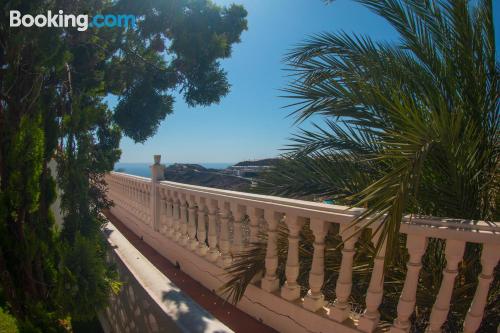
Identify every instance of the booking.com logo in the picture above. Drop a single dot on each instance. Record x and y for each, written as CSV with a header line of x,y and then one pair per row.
x,y
61,20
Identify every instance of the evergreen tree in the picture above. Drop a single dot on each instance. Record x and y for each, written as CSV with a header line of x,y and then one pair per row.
x,y
53,86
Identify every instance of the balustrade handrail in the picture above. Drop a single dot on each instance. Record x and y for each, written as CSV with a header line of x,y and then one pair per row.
x,y
208,222
409,221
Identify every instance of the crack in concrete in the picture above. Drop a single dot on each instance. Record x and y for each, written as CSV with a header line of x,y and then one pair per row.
x,y
248,298
196,266
280,314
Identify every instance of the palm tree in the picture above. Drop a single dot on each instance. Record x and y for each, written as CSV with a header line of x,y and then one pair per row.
x,y
422,114
409,127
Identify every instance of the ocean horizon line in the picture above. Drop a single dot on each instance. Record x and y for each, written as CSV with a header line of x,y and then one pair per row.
x,y
142,168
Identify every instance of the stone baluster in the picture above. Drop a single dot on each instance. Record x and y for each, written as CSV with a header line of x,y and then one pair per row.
x,y
371,316
454,252
170,214
183,240
416,246
143,204
163,211
135,189
255,216
138,197
113,188
159,211
123,195
138,201
201,232
238,215
149,202
213,252
122,201
341,308
270,282
129,203
117,198
127,191
135,199
489,259
142,200
131,193
177,217
315,299
291,289
149,205
131,197
192,214
225,258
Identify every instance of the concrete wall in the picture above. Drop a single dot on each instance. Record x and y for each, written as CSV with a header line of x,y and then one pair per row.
x,y
148,300
133,309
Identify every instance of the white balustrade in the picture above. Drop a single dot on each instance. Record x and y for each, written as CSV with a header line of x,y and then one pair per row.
x,y
291,289
213,251
254,216
371,316
183,239
454,252
270,282
341,307
489,259
184,212
163,212
225,258
416,245
238,216
201,231
315,299
192,215
170,214
176,218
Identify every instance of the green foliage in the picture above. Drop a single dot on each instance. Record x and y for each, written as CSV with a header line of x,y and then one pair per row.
x,y
23,190
136,124
54,84
7,323
83,288
410,127
43,321
421,113
193,36
251,262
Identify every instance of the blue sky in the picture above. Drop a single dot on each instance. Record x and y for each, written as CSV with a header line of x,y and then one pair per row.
x,y
251,123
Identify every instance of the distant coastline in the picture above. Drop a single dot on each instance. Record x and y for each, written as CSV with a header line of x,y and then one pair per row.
x,y
229,176
142,169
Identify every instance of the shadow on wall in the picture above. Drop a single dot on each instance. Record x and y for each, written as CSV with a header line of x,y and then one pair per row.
x,y
133,311
188,320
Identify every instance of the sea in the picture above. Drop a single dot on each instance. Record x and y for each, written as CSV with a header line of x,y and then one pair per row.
x,y
142,169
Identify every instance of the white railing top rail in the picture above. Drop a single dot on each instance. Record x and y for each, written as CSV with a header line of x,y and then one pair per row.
x,y
201,220
445,228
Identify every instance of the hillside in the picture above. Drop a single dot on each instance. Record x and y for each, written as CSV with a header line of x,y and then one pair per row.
x,y
195,174
263,162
